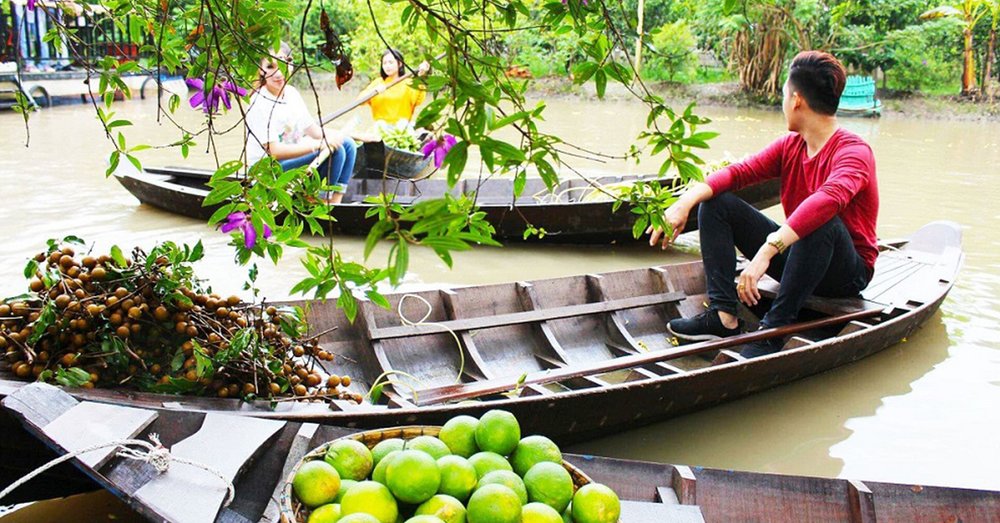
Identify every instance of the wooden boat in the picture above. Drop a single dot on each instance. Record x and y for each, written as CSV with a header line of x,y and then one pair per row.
x,y
580,356
570,214
858,98
256,455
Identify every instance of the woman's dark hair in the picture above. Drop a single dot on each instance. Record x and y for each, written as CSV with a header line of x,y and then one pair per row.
x,y
820,78
399,58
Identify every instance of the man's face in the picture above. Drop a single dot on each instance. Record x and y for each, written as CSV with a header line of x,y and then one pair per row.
x,y
788,106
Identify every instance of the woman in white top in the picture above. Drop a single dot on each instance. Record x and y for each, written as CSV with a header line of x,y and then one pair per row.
x,y
280,125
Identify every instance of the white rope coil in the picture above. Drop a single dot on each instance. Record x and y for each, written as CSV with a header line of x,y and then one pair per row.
x,y
423,321
152,452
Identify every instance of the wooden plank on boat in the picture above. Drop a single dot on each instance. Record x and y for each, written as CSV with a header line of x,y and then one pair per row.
x,y
862,502
436,395
300,446
646,512
39,403
515,318
685,484
88,424
187,493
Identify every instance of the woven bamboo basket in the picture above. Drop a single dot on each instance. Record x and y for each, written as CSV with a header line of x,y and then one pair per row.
x,y
292,511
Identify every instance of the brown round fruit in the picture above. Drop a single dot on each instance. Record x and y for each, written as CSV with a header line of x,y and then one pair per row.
x,y
66,261
161,313
98,273
35,285
63,300
123,331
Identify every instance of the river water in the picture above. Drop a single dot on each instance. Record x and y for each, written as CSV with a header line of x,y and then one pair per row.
x,y
926,411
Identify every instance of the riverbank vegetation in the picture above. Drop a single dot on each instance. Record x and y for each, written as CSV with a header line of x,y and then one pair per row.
x,y
915,48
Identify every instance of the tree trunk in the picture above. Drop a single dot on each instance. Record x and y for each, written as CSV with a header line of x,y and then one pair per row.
x,y
968,65
988,82
638,40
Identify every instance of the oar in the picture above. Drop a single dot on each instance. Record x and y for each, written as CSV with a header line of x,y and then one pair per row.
x,y
354,105
436,395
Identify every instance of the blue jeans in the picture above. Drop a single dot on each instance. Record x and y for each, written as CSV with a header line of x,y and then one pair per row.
x,y
337,168
824,262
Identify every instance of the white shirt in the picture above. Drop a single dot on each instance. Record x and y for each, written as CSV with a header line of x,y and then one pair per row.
x,y
275,120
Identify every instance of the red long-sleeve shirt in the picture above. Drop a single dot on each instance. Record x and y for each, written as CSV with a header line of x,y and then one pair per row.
x,y
839,181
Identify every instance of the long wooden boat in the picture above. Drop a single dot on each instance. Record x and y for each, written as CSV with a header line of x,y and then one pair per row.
x,y
569,214
580,356
257,455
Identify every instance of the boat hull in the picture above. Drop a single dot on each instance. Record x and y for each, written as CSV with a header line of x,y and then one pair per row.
x,y
563,220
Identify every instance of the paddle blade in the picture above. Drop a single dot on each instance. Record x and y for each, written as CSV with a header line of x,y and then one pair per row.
x,y
334,50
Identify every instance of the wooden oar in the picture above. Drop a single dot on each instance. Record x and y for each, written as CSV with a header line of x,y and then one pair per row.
x,y
354,105
446,393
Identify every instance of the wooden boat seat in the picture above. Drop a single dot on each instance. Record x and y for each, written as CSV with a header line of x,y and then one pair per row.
x,y
769,287
531,316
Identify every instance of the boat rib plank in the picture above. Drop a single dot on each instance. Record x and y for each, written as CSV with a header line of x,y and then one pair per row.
x,y
527,316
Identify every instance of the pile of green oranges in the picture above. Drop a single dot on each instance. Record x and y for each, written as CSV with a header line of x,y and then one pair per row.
x,y
475,471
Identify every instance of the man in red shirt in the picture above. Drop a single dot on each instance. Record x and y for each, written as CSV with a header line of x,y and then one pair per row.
x,y
829,193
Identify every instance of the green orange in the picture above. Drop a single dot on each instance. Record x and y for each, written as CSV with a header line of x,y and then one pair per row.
x,y
359,517
372,498
429,444
329,513
316,483
494,504
351,458
424,519
449,509
486,462
551,484
533,450
507,479
412,476
459,433
384,447
458,477
539,513
596,503
345,484
498,431
378,474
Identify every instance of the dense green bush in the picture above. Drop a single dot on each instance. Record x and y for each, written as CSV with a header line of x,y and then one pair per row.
x,y
673,55
926,55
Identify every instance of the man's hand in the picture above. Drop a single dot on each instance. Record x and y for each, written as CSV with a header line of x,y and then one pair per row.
x,y
746,286
676,216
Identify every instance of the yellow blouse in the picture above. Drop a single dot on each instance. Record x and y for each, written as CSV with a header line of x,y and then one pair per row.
x,y
396,103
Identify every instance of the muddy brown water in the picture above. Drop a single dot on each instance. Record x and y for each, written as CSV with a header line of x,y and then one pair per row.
x,y
925,411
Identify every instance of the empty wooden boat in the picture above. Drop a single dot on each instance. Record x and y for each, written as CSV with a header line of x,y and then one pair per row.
x,y
256,456
580,356
572,213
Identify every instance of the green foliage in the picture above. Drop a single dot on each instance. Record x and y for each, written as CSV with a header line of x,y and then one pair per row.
x,y
673,52
926,55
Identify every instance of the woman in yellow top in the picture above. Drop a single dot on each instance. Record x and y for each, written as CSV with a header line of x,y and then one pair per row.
x,y
400,101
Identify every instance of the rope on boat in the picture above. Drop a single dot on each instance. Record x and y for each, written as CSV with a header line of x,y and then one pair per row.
x,y
153,453
423,321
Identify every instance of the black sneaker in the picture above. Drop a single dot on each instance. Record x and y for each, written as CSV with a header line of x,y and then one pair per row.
x,y
703,327
762,347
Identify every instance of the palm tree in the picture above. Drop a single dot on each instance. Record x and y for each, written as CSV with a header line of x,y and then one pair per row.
x,y
970,12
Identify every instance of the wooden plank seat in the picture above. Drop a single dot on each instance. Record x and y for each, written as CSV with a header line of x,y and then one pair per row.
x,y
532,316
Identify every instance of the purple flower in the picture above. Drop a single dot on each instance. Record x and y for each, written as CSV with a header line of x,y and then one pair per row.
x,y
209,100
241,220
439,148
